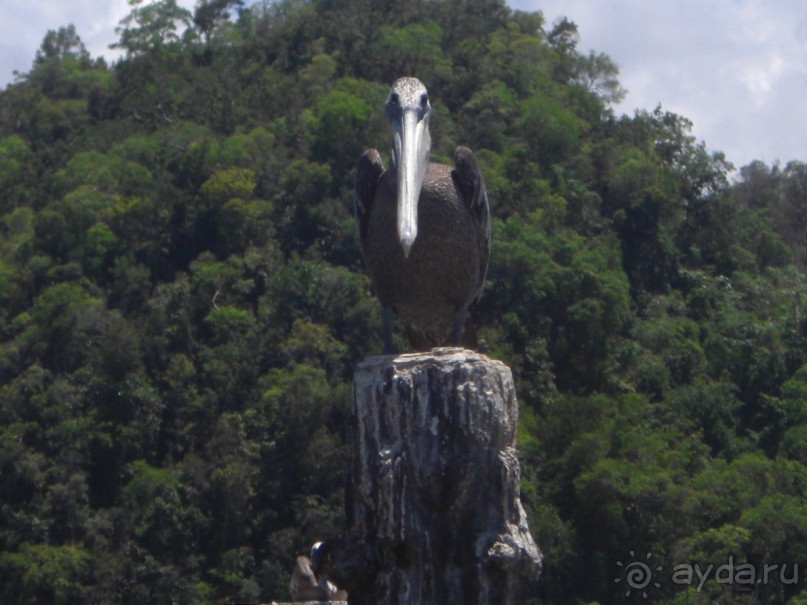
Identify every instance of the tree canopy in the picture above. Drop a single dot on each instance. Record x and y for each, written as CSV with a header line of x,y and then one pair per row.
x,y
182,304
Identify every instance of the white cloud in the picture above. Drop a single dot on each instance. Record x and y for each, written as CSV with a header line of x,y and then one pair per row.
x,y
736,68
25,23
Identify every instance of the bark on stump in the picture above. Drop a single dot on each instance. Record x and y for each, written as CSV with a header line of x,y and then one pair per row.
x,y
434,510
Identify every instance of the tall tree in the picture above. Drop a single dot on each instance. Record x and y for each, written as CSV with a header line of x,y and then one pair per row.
x,y
150,27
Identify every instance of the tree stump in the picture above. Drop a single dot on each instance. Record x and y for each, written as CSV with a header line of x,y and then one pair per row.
x,y
433,507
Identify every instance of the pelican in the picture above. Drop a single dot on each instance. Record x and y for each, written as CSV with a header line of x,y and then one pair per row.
x,y
424,228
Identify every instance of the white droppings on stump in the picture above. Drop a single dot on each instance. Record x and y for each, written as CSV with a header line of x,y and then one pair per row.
x,y
434,495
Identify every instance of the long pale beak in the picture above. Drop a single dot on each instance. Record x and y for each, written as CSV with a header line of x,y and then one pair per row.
x,y
411,170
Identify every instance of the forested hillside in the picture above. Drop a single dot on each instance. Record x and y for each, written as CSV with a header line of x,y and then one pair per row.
x,y
182,304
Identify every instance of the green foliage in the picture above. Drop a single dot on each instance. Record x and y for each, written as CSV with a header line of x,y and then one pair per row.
x,y
229,184
14,156
151,26
550,129
182,303
413,49
45,574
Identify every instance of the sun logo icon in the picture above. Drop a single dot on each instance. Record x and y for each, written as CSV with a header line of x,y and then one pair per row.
x,y
638,575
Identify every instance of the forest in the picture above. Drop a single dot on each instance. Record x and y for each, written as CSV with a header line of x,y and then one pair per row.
x,y
183,304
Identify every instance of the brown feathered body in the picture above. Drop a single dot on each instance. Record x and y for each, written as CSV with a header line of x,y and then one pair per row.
x,y
445,269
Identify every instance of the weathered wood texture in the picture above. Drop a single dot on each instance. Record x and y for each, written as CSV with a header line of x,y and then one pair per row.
x,y
434,510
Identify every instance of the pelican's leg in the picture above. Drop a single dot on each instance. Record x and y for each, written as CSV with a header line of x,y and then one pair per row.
x,y
387,317
459,324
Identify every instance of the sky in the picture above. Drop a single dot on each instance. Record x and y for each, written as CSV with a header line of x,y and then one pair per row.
x,y
736,68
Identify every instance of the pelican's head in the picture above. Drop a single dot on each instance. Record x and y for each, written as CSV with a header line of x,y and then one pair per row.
x,y
320,558
408,109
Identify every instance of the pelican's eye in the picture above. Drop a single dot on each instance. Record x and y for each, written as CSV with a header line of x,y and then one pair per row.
x,y
393,106
424,100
